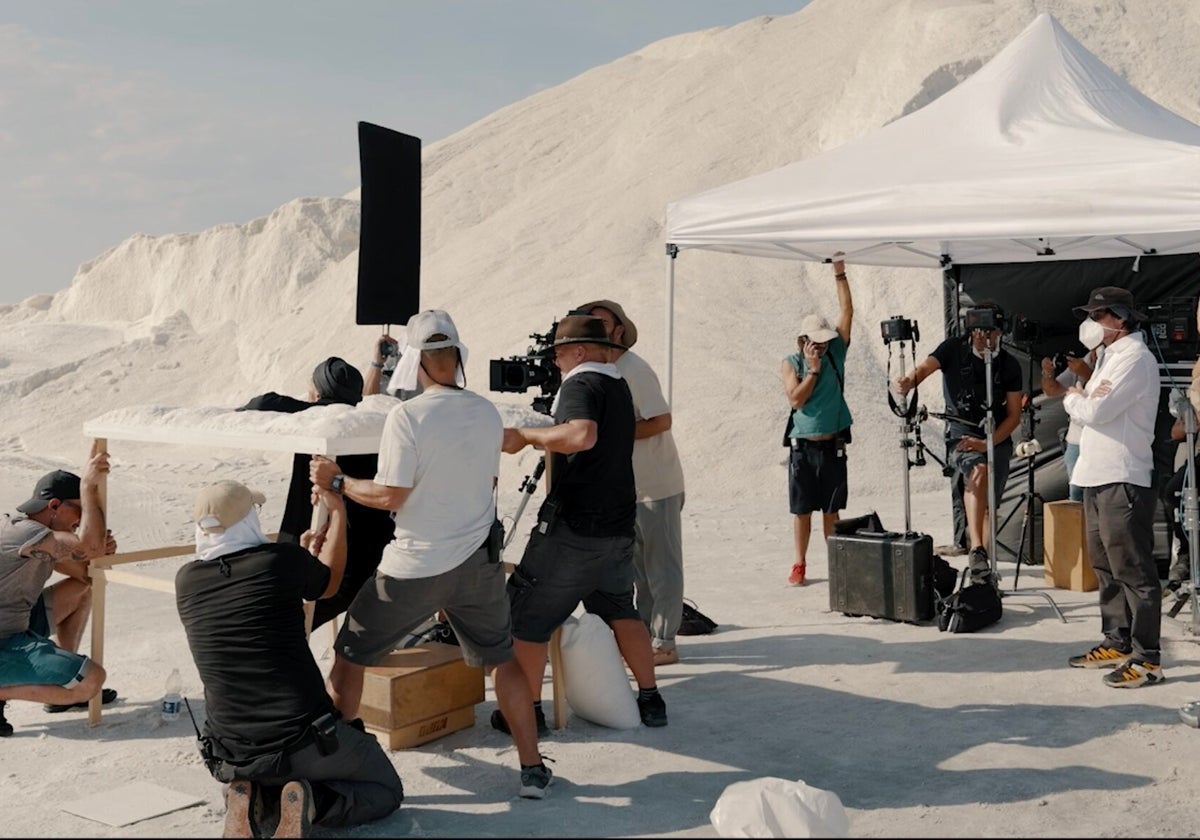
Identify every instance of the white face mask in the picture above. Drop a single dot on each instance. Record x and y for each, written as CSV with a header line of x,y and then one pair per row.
x,y
1091,334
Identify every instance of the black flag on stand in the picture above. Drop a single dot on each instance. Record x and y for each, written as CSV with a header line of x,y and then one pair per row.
x,y
389,239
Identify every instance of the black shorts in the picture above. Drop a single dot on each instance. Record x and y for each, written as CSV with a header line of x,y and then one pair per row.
x,y
817,476
562,568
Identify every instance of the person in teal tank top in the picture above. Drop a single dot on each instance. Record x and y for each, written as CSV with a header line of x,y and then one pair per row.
x,y
819,427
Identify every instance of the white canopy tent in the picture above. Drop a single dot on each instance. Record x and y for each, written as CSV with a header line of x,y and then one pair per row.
x,y
1044,153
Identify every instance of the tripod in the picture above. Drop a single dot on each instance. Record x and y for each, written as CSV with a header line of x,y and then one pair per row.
x,y
1028,450
989,427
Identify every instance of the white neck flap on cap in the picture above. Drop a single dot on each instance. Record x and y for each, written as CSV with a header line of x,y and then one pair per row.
x,y
404,378
246,533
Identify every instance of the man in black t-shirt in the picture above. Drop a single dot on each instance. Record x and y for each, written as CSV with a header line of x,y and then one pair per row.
x,y
582,545
271,729
964,386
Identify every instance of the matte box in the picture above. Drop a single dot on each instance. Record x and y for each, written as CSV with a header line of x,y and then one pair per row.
x,y
1065,558
884,575
421,693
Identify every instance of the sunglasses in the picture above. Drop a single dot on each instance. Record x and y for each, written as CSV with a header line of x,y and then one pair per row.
x,y
1099,313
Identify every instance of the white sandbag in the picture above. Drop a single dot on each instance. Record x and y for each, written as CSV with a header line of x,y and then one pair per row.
x,y
597,686
771,807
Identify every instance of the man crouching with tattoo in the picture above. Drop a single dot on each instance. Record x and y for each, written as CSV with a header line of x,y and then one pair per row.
x,y
59,529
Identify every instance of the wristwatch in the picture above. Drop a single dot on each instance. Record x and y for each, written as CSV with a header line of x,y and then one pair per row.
x,y
337,483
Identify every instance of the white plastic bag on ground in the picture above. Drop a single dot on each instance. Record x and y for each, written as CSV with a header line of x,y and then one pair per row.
x,y
597,686
771,807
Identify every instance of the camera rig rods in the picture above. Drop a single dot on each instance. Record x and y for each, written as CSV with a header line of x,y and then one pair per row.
x,y
527,488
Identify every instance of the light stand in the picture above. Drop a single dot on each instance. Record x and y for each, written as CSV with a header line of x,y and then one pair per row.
x,y
901,330
989,428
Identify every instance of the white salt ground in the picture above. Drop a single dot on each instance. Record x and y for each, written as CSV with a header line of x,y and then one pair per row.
x,y
549,202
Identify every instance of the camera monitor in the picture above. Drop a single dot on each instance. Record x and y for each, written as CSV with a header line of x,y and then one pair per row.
x,y
983,318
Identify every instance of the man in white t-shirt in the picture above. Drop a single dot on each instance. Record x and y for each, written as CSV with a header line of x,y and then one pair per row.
x,y
438,463
658,474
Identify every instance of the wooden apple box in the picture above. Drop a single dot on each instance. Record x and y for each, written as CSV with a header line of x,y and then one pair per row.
x,y
419,694
1065,548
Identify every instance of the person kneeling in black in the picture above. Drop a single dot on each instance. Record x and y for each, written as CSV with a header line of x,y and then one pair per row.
x,y
271,730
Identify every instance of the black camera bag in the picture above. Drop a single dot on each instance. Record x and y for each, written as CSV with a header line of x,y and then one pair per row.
x,y
972,607
695,623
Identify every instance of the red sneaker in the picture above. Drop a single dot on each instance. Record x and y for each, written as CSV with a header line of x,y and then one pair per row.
x,y
796,578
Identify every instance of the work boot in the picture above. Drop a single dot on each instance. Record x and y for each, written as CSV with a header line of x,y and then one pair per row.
x,y
6,728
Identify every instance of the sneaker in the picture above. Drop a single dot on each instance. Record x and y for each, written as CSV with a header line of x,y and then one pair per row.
x,y
1189,713
107,695
1174,589
1134,673
665,656
796,578
296,809
501,725
653,709
6,728
534,781
239,807
1101,656
951,550
977,563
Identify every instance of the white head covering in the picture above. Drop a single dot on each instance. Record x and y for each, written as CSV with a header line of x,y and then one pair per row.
x,y
245,533
227,519
420,327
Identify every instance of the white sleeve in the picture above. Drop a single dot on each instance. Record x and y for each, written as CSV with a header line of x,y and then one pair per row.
x,y
397,451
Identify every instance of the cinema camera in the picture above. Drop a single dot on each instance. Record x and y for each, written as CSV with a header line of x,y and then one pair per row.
x,y
536,369
897,328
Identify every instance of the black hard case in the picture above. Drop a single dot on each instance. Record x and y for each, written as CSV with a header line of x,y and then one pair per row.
x,y
884,575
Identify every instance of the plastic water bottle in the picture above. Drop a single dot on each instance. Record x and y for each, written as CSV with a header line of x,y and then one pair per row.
x,y
172,702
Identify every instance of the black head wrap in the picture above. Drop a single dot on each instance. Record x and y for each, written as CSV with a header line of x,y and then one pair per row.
x,y
338,381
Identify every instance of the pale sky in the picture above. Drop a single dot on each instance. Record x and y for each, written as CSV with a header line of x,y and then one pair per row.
x,y
169,116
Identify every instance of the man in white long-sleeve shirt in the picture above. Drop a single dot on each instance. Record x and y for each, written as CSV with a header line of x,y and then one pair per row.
x,y
1117,409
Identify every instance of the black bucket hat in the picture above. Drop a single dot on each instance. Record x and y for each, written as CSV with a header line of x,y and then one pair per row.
x,y
1119,300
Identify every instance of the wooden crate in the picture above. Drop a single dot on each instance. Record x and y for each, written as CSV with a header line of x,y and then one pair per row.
x,y
419,694
1065,548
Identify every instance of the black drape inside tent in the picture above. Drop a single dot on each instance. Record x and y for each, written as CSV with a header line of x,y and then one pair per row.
x,y
1041,296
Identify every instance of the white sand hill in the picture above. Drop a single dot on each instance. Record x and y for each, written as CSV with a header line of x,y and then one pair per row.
x,y
552,201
